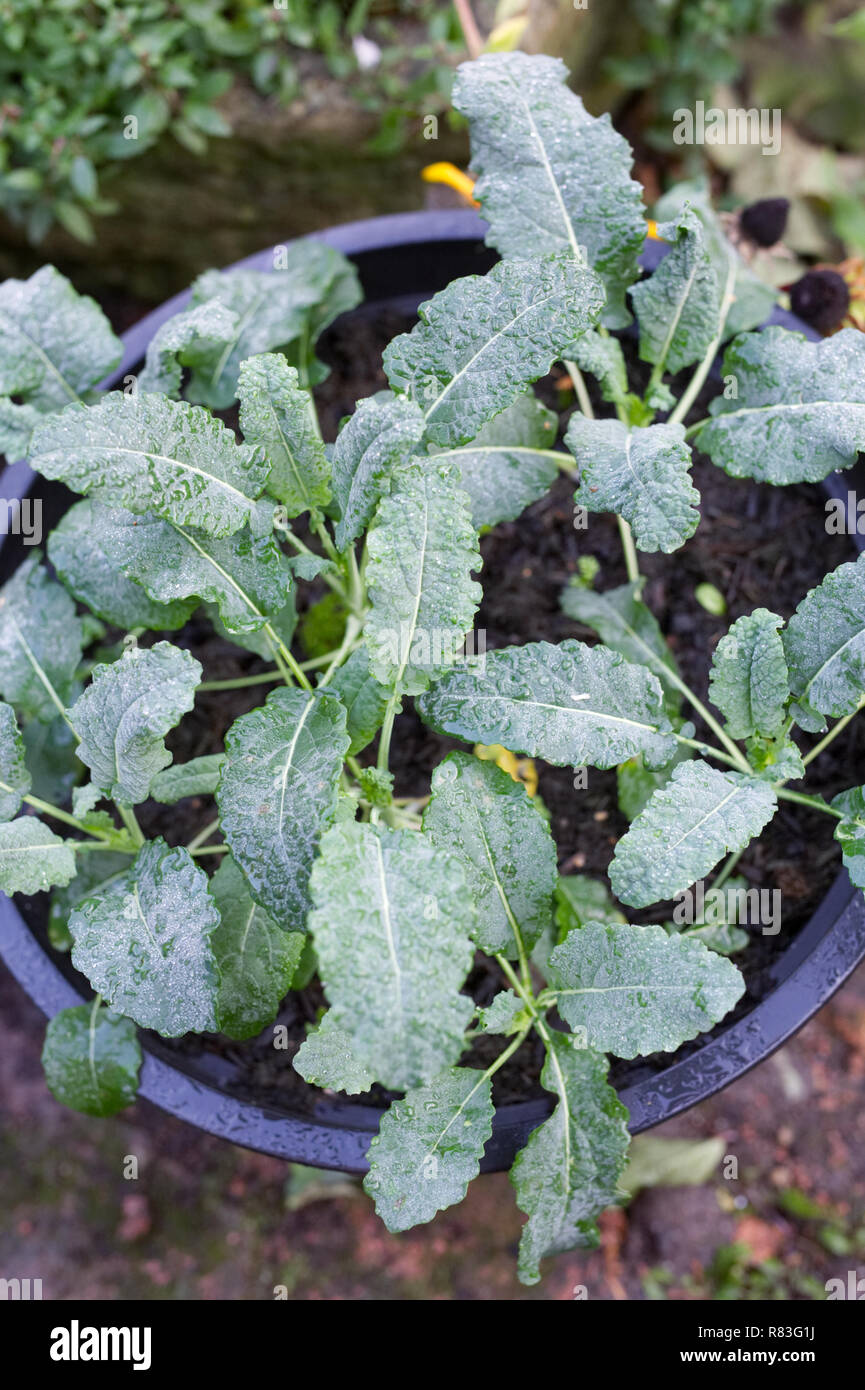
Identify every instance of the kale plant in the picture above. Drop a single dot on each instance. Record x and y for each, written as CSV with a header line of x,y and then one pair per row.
x,y
321,866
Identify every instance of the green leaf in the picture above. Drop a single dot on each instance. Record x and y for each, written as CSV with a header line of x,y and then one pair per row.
x,y
124,713
749,682
604,359
580,899
625,623
500,1016
91,1059
246,576
145,944
189,339
551,177
568,704
391,925
277,793
799,409
776,760
422,550
486,819
569,1170
678,307
364,697
14,777
92,871
636,990
286,308
383,433
850,832
429,1147
327,1058
824,644
55,345
278,416
636,783
506,467
150,454
197,777
641,473
700,815
81,552
751,300
485,338
32,857
41,640
255,958
51,758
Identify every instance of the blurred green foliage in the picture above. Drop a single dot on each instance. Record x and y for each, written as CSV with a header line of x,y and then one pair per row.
x,y
681,48
88,83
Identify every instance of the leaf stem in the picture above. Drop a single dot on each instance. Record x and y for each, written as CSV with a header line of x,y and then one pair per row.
x,y
239,682
580,389
209,849
393,705
632,564
695,385
471,33
735,754
127,815
203,835
728,868
813,802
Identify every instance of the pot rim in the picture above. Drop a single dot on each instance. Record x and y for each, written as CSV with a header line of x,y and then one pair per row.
x,y
810,970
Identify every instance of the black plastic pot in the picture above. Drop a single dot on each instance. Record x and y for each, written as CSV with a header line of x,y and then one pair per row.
x,y
402,260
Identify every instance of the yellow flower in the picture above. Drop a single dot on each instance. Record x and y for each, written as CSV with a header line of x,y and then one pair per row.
x,y
455,178
520,769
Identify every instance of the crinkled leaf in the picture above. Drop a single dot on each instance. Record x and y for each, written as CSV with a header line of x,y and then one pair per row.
x,y
255,958
327,1058
246,576
750,300
92,871
850,832
636,990
151,454
14,777
286,308
678,307
775,759
391,925
55,345
604,359
625,623
81,552
749,682
551,177
383,433
197,777
422,551
91,1059
641,473
277,793
278,416
636,784
824,643
124,714
364,697
487,820
569,1170
700,815
189,339
145,944
799,409
41,640
32,857
429,1147
484,338
568,704
506,467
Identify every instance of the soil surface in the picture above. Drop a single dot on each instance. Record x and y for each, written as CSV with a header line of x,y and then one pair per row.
x,y
759,546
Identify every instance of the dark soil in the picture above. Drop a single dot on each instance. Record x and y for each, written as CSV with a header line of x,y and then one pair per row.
x,y
758,545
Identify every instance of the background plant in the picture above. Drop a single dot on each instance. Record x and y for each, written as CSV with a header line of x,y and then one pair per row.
x,y
322,867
